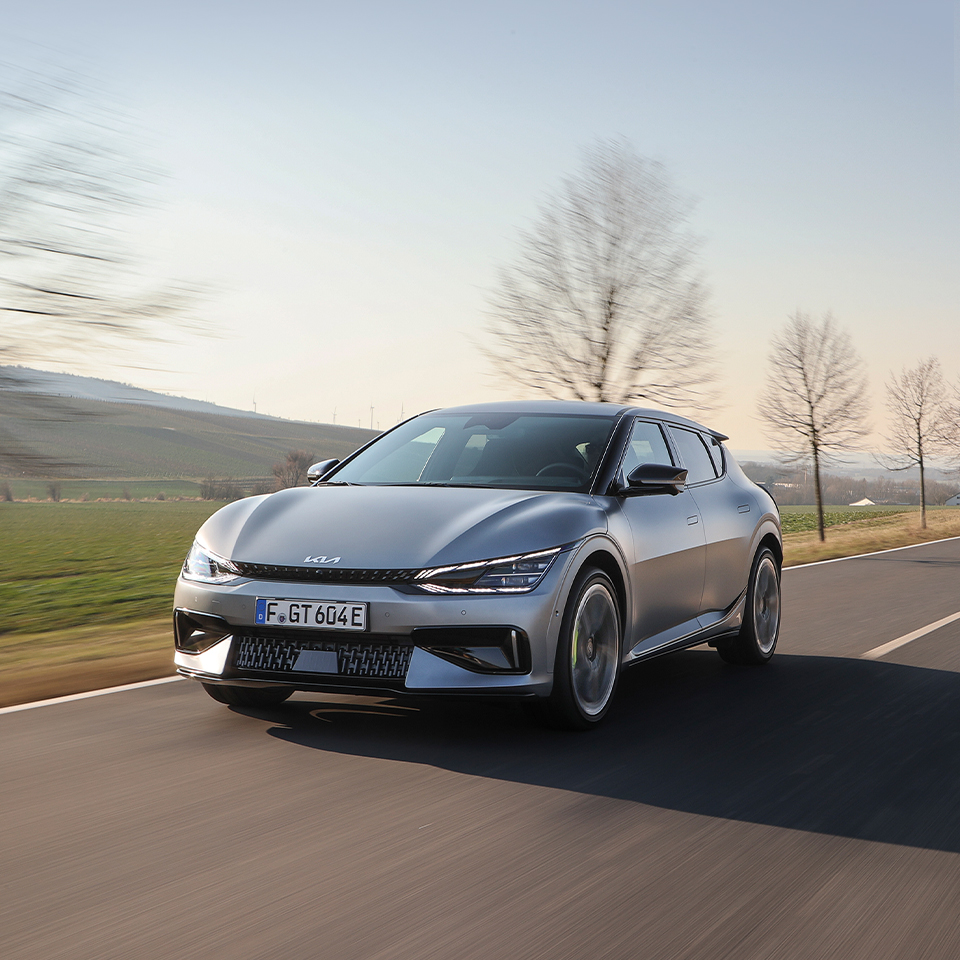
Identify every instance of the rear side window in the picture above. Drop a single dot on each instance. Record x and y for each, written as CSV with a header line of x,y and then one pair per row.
x,y
698,462
716,454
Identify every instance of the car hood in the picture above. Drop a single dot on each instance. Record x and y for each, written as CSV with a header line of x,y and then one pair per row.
x,y
381,527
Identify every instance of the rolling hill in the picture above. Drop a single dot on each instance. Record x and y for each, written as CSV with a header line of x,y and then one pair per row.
x,y
58,436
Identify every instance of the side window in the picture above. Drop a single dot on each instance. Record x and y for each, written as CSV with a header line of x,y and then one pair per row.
x,y
695,457
647,445
716,454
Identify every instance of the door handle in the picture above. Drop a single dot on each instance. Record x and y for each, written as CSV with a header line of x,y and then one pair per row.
x,y
692,520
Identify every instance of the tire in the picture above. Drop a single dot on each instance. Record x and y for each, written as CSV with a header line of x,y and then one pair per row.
x,y
247,696
587,664
757,639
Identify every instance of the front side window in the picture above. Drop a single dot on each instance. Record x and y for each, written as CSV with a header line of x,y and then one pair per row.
x,y
646,445
536,452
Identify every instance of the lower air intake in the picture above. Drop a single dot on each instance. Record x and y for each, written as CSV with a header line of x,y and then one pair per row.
x,y
380,660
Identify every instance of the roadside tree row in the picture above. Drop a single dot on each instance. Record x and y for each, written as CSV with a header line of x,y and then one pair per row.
x,y
605,301
815,404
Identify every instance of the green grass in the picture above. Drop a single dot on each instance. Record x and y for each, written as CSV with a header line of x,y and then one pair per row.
x,y
69,564
799,518
24,489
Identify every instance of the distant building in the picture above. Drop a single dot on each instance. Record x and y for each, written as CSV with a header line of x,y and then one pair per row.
x,y
954,501
865,502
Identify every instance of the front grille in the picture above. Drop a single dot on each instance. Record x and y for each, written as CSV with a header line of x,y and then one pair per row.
x,y
272,571
387,658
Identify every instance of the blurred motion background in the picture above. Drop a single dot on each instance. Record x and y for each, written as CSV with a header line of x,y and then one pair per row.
x,y
332,189
216,215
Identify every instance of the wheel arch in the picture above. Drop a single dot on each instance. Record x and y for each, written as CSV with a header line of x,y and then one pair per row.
x,y
604,560
603,553
767,534
583,685
773,542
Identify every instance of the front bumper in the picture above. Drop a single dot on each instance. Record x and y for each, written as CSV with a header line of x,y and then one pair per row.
x,y
414,643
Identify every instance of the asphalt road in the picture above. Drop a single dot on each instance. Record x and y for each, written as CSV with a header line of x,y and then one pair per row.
x,y
805,809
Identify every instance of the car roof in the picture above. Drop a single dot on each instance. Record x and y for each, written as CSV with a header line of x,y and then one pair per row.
x,y
583,408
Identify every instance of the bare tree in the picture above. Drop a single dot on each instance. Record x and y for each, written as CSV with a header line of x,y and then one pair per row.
x,y
292,471
605,300
72,187
815,401
922,421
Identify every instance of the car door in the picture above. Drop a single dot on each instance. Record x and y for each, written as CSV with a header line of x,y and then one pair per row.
x,y
667,567
728,517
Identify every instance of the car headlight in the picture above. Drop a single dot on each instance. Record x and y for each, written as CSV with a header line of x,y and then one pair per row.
x,y
207,567
519,574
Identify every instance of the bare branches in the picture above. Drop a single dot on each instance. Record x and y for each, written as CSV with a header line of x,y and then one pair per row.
x,y
922,418
816,389
72,187
604,301
815,402
923,421
293,471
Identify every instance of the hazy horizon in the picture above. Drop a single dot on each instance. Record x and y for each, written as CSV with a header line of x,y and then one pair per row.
x,y
853,464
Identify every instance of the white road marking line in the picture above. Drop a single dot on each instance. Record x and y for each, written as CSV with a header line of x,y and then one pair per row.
x,y
86,696
884,648
875,553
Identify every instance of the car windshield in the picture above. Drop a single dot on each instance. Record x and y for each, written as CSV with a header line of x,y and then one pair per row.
x,y
525,451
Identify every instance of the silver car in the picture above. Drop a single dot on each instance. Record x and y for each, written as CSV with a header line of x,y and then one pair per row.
x,y
531,550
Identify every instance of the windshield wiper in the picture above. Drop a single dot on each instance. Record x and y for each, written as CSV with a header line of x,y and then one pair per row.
x,y
415,483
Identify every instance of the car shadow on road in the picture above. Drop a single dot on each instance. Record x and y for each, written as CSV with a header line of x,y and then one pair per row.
x,y
854,748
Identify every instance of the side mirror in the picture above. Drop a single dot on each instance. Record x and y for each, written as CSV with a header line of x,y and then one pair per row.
x,y
656,478
318,470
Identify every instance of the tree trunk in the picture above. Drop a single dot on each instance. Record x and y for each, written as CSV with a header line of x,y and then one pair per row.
x,y
923,497
816,483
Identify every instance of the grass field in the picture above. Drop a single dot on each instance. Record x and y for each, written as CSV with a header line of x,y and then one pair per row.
x,y
86,592
800,519
105,489
75,564
86,588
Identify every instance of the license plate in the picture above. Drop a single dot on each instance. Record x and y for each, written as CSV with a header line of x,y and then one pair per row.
x,y
316,614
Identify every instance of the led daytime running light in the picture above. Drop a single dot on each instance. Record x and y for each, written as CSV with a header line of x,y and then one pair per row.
x,y
498,580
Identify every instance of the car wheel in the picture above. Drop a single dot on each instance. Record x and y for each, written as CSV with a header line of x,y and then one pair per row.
x,y
761,616
247,696
588,654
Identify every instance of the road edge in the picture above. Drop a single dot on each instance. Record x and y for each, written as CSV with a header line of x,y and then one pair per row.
x,y
872,553
70,698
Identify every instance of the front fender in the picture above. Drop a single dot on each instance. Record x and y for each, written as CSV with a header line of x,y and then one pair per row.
x,y
600,551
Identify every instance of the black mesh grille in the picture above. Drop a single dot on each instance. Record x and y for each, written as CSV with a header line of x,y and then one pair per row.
x,y
384,659
271,571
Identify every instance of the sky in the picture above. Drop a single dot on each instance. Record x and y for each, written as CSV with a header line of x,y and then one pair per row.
x,y
345,180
